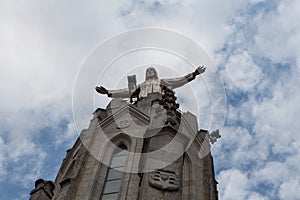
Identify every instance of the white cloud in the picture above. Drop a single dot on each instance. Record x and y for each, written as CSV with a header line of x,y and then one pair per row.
x,y
267,113
273,172
279,32
290,189
241,72
256,1
204,21
275,117
256,196
41,48
269,139
233,184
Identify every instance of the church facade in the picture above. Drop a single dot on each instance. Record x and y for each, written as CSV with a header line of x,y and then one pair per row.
x,y
143,150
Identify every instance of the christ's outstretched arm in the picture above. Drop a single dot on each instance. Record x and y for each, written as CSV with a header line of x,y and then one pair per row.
x,y
120,93
173,83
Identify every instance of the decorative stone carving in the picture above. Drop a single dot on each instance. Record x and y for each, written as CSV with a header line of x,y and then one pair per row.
x,y
214,136
164,180
124,123
168,102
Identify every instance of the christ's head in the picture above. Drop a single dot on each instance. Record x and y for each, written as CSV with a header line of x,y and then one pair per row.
x,y
151,73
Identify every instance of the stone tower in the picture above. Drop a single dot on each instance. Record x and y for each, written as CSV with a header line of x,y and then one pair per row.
x,y
143,150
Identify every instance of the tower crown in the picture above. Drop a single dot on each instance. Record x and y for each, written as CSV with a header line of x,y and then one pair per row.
x,y
141,149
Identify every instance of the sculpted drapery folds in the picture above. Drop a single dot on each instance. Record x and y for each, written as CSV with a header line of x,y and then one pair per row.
x,y
152,84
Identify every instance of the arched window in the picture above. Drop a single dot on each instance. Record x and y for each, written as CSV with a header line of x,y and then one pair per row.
x,y
114,175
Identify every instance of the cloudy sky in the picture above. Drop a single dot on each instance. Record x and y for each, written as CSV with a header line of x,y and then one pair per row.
x,y
253,43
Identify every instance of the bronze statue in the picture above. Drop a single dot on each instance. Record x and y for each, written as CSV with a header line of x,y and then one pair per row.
x,y
150,85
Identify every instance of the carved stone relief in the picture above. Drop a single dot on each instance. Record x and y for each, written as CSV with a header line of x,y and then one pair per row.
x,y
164,180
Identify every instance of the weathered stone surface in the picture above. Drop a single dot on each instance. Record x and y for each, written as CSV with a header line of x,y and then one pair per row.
x,y
43,190
184,174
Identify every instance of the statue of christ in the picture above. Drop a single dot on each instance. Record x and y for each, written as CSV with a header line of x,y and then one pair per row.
x,y
151,84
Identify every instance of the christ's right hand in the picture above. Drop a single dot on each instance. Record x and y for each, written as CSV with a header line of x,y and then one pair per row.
x,y
101,90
